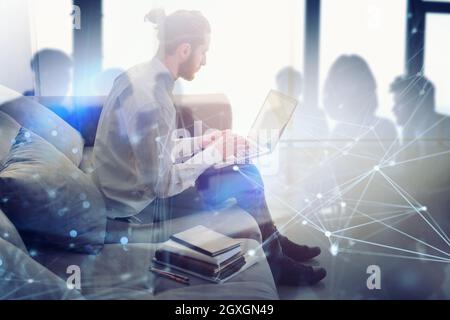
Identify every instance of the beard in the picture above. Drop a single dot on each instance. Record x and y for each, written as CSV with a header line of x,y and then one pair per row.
x,y
188,69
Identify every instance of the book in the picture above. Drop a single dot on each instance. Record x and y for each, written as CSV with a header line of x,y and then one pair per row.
x,y
221,277
206,241
198,266
179,249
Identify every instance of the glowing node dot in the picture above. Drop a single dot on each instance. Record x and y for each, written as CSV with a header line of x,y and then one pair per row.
x,y
30,280
423,208
86,205
75,150
319,196
376,168
124,240
235,168
343,204
392,163
73,233
327,234
304,222
54,133
334,249
6,235
251,253
27,134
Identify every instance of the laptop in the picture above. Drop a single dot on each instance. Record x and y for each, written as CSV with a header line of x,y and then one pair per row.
x,y
267,128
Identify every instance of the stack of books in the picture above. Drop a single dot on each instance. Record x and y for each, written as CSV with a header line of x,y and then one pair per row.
x,y
202,252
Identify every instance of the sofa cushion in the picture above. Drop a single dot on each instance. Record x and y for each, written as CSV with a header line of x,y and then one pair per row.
x,y
8,131
121,272
48,199
9,233
23,278
43,122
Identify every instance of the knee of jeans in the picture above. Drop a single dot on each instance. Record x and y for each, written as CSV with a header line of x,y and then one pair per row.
x,y
251,172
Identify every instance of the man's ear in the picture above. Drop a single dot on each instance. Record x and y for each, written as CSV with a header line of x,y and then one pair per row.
x,y
184,51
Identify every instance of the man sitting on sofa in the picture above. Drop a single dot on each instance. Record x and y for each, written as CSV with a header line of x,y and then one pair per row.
x,y
133,152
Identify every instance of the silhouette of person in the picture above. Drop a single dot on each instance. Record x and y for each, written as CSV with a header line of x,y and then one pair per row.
x,y
52,74
52,71
303,178
309,122
425,145
360,139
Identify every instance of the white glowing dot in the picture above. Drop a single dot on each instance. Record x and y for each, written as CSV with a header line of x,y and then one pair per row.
x,y
73,233
124,240
27,134
319,196
343,204
52,193
306,200
86,205
134,139
334,249
30,280
304,222
235,168
33,253
376,168
251,253
327,234
1,262
392,163
423,208
54,133
6,235
157,139
75,150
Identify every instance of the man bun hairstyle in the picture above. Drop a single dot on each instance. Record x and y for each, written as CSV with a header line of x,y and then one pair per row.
x,y
182,26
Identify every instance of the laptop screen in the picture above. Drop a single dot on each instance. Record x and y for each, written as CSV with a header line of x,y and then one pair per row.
x,y
272,119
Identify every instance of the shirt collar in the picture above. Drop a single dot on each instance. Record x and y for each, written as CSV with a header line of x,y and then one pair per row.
x,y
163,74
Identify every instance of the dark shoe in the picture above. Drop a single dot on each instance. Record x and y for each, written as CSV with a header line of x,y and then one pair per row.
x,y
297,252
289,272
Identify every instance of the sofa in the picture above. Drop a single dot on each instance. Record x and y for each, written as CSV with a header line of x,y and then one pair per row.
x,y
115,269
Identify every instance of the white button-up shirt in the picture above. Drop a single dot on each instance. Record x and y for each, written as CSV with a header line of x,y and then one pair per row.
x,y
134,160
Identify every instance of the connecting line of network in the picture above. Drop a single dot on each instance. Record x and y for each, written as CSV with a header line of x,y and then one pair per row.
x,y
340,190
415,208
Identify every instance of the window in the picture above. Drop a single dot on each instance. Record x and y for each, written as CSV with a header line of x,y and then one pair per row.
x,y
373,29
251,41
51,27
437,64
